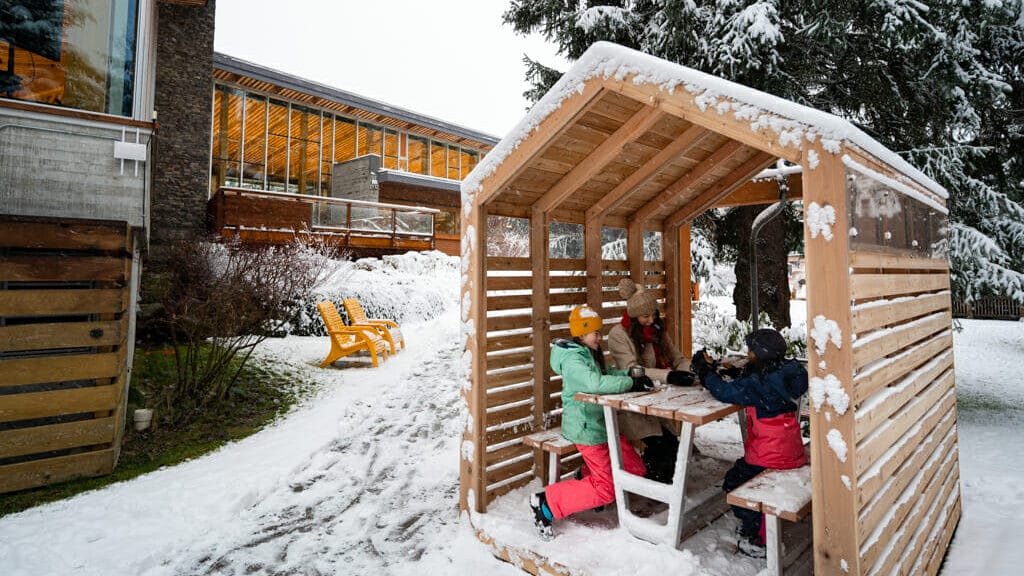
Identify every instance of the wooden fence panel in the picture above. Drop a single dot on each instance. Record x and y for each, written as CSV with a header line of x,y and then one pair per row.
x,y
63,333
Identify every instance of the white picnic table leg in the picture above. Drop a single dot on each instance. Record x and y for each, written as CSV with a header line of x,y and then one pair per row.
x,y
677,503
773,543
611,424
554,467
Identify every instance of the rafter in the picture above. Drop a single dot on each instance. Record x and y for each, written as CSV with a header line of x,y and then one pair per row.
x,y
719,156
738,177
540,139
677,149
638,124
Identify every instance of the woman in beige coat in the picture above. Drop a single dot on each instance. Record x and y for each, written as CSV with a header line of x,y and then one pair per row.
x,y
640,339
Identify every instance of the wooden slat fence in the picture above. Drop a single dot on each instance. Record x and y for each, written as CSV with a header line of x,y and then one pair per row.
x,y
510,407
64,291
1004,308
904,401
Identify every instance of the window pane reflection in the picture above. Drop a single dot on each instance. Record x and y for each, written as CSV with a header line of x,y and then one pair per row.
x,y
75,54
888,220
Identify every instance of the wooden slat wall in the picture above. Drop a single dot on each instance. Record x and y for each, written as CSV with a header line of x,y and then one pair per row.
x,y
64,291
907,470
510,377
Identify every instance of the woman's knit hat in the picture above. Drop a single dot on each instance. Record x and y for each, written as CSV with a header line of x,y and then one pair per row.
x,y
639,302
583,320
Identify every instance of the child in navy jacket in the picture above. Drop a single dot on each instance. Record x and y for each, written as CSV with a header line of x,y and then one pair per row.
x,y
770,387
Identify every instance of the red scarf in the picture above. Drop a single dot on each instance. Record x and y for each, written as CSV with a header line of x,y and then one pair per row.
x,y
648,334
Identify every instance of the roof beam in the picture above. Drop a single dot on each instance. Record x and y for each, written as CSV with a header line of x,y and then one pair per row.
x,y
637,125
674,151
762,192
681,103
540,139
738,177
722,154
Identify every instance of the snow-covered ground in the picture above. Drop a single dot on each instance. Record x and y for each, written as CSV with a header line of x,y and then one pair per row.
x,y
363,479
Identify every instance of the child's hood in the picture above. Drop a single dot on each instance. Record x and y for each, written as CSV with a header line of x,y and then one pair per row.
x,y
562,349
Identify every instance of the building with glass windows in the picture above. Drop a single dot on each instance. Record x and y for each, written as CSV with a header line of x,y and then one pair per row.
x,y
278,133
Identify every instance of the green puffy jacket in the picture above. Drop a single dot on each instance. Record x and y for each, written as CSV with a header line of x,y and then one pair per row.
x,y
583,422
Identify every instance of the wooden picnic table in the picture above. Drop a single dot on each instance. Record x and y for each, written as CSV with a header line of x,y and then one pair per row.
x,y
692,407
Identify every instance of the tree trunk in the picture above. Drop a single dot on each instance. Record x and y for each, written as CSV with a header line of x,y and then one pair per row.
x,y
772,267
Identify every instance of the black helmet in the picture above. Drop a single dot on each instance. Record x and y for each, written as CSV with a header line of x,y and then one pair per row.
x,y
767,344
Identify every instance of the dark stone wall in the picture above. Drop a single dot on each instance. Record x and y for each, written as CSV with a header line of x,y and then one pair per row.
x,y
183,101
401,193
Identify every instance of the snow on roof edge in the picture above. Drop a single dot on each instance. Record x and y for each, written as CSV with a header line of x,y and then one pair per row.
x,y
611,60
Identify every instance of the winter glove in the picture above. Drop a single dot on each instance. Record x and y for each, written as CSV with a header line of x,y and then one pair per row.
x,y
681,378
642,384
701,364
731,371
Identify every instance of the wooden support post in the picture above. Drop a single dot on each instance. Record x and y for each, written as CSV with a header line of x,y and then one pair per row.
x,y
540,226
635,250
472,469
673,283
683,334
592,250
833,439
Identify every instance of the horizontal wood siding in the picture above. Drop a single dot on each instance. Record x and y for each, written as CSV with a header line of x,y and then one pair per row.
x,y
904,398
63,337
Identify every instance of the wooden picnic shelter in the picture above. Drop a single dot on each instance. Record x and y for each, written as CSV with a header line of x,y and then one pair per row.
x,y
626,140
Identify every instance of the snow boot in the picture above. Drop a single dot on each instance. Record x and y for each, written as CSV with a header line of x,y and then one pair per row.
x,y
753,547
542,518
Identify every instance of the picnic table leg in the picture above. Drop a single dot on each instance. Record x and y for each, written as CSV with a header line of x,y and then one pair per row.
x,y
554,467
677,504
611,424
773,543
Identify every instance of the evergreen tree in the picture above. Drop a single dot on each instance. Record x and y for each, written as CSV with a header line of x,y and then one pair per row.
x,y
940,82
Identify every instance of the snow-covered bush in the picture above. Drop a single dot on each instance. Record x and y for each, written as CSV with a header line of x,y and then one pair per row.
x,y
717,330
405,287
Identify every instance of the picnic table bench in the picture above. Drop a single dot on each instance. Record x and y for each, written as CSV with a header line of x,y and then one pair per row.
x,y
777,494
556,446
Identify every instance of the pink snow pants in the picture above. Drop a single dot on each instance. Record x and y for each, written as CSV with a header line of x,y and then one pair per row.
x,y
596,488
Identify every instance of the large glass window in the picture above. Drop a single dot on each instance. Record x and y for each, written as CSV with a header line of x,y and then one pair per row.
x,y
446,221
369,139
469,161
418,159
304,151
344,139
79,54
277,146
227,133
255,142
438,163
392,150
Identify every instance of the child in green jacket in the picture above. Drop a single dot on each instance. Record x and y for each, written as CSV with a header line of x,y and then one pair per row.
x,y
581,364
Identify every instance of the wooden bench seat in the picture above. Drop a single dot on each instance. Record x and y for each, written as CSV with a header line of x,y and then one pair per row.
x,y
556,445
388,329
778,494
346,340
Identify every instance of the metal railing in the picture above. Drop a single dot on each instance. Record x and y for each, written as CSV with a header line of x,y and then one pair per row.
x,y
264,214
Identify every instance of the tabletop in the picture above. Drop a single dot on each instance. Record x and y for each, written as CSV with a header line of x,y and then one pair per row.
x,y
682,403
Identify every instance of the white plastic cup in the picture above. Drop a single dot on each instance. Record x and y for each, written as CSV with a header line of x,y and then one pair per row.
x,y
143,418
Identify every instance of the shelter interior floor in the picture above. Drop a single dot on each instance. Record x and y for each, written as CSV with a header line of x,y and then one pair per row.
x,y
593,543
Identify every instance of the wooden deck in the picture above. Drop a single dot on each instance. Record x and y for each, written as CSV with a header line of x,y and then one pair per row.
x,y
265,217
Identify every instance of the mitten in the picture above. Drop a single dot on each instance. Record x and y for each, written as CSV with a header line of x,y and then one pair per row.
x,y
681,378
642,384
700,363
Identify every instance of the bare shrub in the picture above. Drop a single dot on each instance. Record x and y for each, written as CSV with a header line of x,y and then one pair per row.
x,y
217,303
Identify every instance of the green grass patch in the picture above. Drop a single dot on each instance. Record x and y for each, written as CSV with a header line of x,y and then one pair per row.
x,y
262,394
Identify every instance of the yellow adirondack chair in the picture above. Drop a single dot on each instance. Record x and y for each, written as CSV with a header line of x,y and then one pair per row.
x,y
347,340
388,329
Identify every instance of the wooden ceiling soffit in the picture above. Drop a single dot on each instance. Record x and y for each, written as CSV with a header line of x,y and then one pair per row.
x,y
612,146
642,175
681,103
738,177
540,139
722,154
762,192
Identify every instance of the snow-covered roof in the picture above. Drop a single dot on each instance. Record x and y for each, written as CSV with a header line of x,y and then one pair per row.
x,y
793,124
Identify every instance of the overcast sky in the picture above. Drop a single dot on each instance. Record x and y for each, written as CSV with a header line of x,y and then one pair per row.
x,y
450,59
